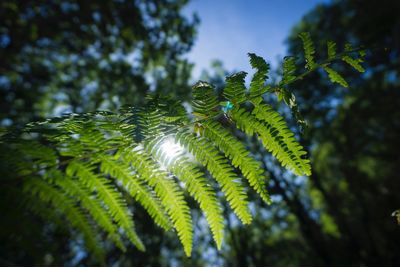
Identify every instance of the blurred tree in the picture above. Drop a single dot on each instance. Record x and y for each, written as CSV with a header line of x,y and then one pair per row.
x,y
74,56
353,134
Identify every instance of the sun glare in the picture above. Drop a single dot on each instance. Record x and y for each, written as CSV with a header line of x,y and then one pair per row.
x,y
170,150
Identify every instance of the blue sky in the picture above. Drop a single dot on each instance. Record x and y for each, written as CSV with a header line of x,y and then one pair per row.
x,y
231,29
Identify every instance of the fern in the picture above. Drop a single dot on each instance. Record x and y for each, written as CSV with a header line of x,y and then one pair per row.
x,y
86,166
239,156
336,77
355,63
111,197
168,191
141,192
76,189
331,50
220,169
51,195
289,69
235,89
309,50
195,182
257,85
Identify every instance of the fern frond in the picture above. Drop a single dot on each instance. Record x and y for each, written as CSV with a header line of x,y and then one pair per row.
x,y
108,194
136,188
235,90
257,84
309,50
336,77
76,189
239,156
50,195
220,169
331,48
89,158
275,136
289,69
195,182
167,190
355,63
150,122
205,102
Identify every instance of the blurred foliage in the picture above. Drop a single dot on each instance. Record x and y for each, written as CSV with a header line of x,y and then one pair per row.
x,y
75,56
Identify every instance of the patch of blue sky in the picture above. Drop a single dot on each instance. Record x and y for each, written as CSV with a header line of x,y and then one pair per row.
x,y
230,29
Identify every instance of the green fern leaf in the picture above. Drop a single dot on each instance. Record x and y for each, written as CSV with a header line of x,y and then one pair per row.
x,y
76,189
235,90
108,194
275,136
50,195
309,50
355,63
137,189
195,182
257,84
167,190
336,77
220,169
331,50
205,103
238,154
289,69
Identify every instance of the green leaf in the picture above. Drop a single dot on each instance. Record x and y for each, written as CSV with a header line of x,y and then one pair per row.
x,y
331,49
257,84
195,182
220,169
239,156
167,190
235,90
275,136
355,63
289,69
336,77
309,50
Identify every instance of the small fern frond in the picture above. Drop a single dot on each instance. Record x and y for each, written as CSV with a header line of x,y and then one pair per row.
x,y
336,77
136,188
355,63
58,199
77,190
167,190
220,169
239,156
289,69
235,90
195,182
275,136
331,47
109,195
205,102
257,84
309,50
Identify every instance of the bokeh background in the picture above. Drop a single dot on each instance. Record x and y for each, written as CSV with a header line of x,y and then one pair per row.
x,y
59,56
